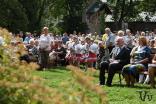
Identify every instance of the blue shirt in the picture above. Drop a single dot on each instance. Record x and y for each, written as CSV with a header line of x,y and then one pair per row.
x,y
65,39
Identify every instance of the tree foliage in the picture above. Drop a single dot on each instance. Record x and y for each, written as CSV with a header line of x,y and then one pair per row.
x,y
69,12
12,15
148,6
18,84
25,15
124,11
128,10
64,15
30,15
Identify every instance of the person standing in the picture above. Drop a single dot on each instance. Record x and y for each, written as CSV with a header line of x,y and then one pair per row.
x,y
110,39
129,39
44,48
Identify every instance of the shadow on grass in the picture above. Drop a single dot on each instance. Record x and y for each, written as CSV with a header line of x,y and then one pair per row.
x,y
137,86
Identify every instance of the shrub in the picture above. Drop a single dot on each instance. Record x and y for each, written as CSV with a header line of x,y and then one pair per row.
x,y
19,86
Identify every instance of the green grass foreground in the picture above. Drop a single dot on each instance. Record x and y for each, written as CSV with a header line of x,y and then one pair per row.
x,y
116,94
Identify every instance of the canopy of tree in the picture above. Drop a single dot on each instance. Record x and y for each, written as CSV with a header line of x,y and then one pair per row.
x,y
63,15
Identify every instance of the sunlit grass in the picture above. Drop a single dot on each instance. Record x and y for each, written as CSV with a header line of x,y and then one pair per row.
x,y
116,94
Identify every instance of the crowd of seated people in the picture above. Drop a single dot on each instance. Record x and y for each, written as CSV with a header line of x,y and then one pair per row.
x,y
141,51
112,52
57,55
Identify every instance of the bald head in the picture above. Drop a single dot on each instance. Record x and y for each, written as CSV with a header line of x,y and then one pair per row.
x,y
120,41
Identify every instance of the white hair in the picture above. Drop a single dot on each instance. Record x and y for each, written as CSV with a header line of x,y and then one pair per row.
x,y
128,30
107,29
31,40
142,33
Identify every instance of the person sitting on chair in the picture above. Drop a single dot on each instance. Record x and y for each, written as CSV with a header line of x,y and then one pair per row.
x,y
152,71
120,57
60,52
140,56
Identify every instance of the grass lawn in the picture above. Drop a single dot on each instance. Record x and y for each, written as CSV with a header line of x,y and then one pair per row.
x,y
116,94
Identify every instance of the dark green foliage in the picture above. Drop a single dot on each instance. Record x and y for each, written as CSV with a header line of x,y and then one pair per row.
x,y
148,6
73,23
31,15
128,10
34,10
12,15
124,11
73,16
25,15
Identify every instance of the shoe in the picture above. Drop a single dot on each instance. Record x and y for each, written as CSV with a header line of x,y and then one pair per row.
x,y
109,85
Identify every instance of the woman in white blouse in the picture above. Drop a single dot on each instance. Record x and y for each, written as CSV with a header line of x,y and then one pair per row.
x,y
44,47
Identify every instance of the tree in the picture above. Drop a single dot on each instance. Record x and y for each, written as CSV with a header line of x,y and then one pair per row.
x,y
34,10
12,15
73,18
30,15
69,13
148,6
124,11
25,15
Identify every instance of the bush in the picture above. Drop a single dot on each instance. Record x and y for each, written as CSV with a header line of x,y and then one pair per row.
x,y
19,86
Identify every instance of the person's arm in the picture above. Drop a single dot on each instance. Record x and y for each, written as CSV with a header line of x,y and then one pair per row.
x,y
144,61
147,57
